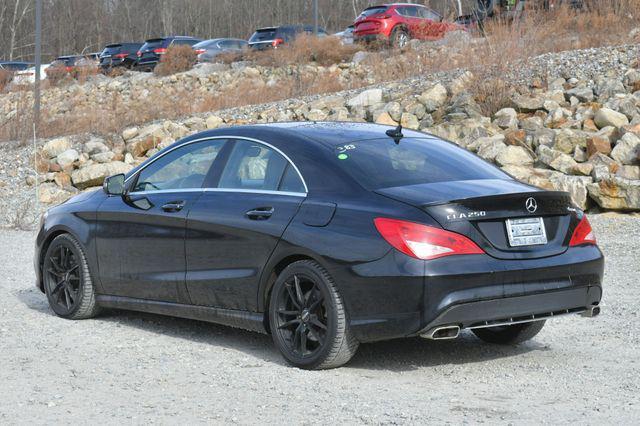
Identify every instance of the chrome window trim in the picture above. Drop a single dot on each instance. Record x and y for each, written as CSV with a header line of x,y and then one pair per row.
x,y
304,183
256,191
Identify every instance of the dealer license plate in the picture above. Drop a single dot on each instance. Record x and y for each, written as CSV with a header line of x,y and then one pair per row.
x,y
526,232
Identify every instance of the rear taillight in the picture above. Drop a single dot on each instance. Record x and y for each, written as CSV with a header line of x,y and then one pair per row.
x,y
200,51
120,55
277,42
583,234
422,241
160,51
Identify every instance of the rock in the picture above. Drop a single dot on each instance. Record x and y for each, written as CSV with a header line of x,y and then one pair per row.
x,y
525,103
583,94
417,109
366,98
532,124
607,117
95,146
460,84
56,146
558,160
598,144
316,115
463,105
409,121
608,88
616,193
103,157
566,140
603,166
514,155
66,158
627,150
516,137
195,123
394,109
385,118
489,147
213,122
128,158
574,185
129,133
506,118
543,136
29,180
148,138
95,174
629,172
50,193
359,57
580,154
433,98
62,179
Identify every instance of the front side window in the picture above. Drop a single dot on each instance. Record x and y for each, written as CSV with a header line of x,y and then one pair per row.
x,y
254,166
183,168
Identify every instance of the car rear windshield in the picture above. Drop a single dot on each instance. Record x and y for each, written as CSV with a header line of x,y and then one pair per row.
x,y
111,49
265,34
373,11
153,44
381,163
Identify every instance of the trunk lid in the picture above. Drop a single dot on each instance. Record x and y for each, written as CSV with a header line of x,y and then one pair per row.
x,y
479,209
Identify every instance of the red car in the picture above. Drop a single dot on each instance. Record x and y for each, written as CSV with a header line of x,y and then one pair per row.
x,y
397,23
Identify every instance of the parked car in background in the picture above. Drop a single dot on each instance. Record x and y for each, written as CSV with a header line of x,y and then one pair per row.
x,y
28,76
346,36
397,23
15,66
119,55
71,61
272,37
207,50
152,50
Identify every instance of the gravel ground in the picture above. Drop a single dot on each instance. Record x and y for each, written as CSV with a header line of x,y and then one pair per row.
x,y
135,368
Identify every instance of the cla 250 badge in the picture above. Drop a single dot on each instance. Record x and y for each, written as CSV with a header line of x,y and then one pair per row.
x,y
467,215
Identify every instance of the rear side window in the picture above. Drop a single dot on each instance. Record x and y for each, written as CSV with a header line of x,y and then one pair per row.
x,y
263,35
425,13
380,163
184,42
153,44
254,166
183,168
111,49
373,11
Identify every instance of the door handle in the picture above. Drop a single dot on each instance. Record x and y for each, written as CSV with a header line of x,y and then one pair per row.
x,y
260,213
174,206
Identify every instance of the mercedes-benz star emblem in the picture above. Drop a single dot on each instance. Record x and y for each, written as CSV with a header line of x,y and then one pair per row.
x,y
531,204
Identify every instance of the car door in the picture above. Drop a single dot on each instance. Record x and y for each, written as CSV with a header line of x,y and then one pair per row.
x,y
140,236
233,228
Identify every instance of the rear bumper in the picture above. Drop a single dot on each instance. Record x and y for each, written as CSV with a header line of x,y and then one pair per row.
x,y
471,291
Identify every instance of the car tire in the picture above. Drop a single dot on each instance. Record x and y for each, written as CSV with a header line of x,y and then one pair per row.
x,y
399,38
308,320
510,334
67,280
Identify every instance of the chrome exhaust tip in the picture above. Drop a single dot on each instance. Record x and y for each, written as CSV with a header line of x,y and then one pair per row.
x,y
443,333
592,311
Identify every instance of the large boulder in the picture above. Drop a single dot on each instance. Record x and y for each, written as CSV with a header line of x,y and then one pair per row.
x,y
566,140
56,146
616,193
574,185
506,118
627,150
525,103
514,156
94,175
607,117
67,158
147,138
366,98
51,193
433,98
583,94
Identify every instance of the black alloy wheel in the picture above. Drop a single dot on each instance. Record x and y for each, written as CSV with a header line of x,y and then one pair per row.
x,y
308,320
67,281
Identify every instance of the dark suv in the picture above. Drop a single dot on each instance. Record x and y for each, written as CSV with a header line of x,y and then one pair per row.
x,y
119,55
272,37
152,50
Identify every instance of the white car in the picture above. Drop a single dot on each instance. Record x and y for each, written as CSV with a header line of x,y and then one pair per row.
x,y
28,76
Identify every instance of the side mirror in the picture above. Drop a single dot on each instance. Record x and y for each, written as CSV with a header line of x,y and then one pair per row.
x,y
114,185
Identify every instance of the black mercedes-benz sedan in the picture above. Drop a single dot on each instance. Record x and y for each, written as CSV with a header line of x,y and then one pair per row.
x,y
324,235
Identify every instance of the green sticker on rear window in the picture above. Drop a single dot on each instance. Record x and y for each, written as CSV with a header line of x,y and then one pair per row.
x,y
342,156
